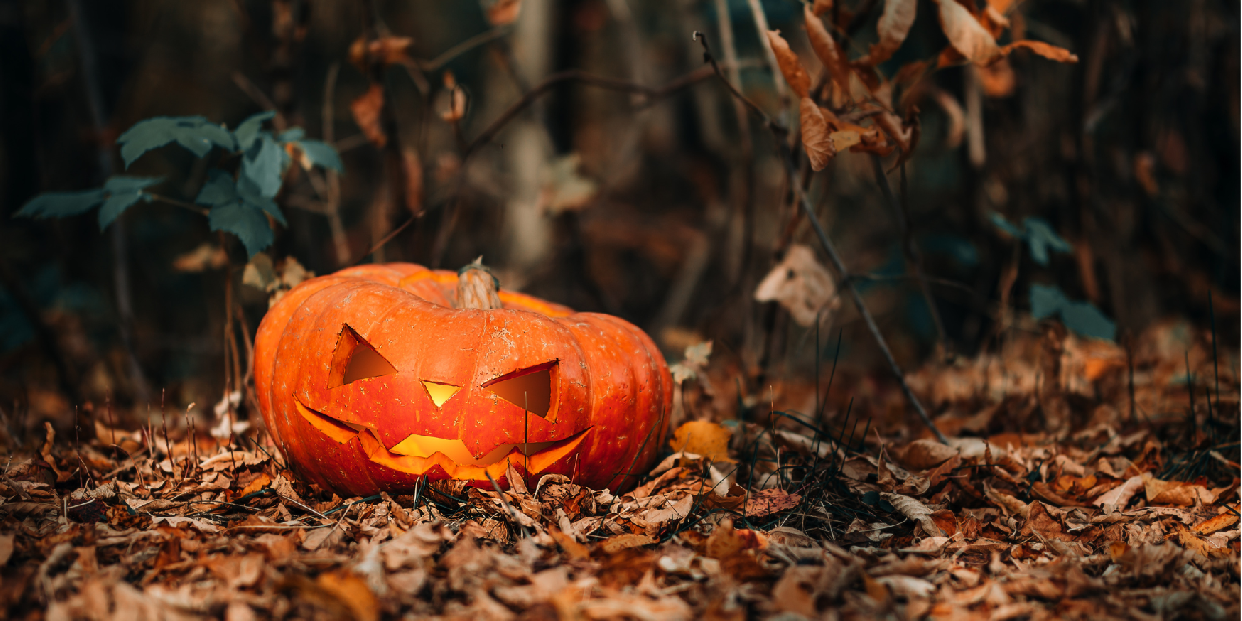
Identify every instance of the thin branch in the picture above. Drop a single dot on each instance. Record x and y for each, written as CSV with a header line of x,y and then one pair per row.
x,y
914,262
574,75
176,203
788,160
482,38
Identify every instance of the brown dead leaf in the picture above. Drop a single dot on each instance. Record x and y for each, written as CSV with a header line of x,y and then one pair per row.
x,y
966,35
207,256
925,454
1119,497
366,110
573,549
917,512
260,482
815,140
726,542
766,502
843,140
6,548
1145,173
1047,50
351,590
997,79
800,284
703,438
615,544
892,28
1218,523
789,64
384,51
503,12
826,50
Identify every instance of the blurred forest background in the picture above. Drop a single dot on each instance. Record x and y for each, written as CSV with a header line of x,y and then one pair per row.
x,y
666,208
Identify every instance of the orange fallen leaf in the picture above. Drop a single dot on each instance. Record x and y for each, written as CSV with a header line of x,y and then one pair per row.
x,y
703,438
622,542
826,50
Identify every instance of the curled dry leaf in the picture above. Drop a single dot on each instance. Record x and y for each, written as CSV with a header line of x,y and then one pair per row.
x,y
766,502
966,34
1119,497
826,50
957,117
366,110
453,106
384,50
703,438
892,28
819,149
801,284
790,66
1047,50
916,511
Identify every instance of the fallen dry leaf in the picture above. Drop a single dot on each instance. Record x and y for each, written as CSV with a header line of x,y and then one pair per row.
x,y
703,438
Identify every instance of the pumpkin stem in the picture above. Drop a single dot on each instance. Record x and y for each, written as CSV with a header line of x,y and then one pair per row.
x,y
477,287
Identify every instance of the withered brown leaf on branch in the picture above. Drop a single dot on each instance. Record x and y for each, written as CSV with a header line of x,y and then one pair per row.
x,y
366,110
892,28
790,66
384,50
819,148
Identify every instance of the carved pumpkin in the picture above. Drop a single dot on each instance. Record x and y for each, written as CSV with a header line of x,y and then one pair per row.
x,y
370,378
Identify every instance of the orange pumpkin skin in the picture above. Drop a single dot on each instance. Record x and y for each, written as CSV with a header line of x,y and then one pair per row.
x,y
356,434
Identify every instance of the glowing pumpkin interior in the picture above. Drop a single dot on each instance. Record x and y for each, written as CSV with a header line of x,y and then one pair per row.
x,y
356,360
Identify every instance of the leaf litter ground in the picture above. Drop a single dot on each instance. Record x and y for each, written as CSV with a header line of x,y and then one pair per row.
x,y
1082,481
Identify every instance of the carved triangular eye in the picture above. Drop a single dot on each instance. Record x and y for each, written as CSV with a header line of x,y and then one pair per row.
x,y
529,389
440,393
355,359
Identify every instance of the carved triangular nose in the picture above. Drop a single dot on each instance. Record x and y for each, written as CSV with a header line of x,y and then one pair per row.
x,y
440,393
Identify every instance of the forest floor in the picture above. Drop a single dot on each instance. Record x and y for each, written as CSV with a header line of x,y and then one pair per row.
x,y
1081,481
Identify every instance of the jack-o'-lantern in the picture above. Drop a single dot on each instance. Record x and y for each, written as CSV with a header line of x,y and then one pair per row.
x,y
377,376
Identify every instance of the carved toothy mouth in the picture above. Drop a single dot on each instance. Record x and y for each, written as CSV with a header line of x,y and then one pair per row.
x,y
420,454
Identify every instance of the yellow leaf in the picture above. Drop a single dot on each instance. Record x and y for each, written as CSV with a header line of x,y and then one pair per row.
x,y
790,66
703,438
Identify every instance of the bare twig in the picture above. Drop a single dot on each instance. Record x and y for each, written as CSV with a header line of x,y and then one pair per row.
x,y
914,262
787,159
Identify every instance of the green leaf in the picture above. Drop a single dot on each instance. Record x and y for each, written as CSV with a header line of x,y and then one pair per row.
x,y
219,189
1041,238
123,192
1046,301
264,164
322,154
244,221
251,195
248,131
293,134
195,133
61,204
1087,320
